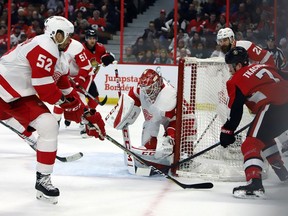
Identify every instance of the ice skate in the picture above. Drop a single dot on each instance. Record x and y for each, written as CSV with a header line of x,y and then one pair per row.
x,y
253,190
45,190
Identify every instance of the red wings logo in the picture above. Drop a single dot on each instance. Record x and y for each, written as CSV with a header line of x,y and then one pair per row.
x,y
147,115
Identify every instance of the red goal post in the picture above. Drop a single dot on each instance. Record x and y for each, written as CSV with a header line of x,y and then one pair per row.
x,y
201,111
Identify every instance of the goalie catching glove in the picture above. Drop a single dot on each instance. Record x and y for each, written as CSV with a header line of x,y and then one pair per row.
x,y
96,125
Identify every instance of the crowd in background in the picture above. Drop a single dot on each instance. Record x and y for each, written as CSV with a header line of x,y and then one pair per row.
x,y
197,25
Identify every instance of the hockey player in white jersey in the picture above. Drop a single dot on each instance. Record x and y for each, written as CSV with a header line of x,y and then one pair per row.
x,y
157,98
80,69
29,77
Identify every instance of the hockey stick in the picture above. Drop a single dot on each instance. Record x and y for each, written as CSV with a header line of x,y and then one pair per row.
x,y
33,144
125,131
205,150
87,94
206,129
205,185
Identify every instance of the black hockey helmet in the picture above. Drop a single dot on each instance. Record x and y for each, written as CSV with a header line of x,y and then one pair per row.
x,y
237,55
91,33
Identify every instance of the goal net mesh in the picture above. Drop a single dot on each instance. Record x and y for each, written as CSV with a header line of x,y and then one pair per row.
x,y
201,111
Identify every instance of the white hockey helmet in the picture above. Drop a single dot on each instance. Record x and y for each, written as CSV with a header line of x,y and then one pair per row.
x,y
225,33
54,24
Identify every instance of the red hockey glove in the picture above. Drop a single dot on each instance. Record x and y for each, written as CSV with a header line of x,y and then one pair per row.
x,y
73,109
98,128
78,81
226,137
107,59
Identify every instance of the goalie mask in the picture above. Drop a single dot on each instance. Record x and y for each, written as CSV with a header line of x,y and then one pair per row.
x,y
150,84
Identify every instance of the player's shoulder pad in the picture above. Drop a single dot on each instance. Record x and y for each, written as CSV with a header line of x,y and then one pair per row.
x,y
75,47
46,43
244,43
166,99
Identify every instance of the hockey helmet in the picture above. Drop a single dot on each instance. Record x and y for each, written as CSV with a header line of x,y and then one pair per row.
x,y
225,33
55,24
91,33
150,83
237,55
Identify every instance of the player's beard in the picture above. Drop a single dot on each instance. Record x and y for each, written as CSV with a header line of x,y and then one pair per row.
x,y
225,48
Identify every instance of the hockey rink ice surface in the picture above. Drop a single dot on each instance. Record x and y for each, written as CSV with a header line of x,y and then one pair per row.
x,y
99,184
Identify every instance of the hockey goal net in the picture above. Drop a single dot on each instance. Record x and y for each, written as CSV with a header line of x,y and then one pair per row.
x,y
201,111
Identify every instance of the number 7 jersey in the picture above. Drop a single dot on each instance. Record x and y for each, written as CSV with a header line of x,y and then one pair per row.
x,y
259,84
28,69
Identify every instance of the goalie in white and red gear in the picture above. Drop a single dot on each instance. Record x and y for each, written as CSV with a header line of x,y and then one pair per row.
x,y
157,98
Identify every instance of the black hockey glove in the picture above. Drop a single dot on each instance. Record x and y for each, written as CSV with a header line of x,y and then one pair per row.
x,y
107,59
226,137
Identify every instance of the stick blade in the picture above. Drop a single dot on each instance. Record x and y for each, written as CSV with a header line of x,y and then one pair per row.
x,y
205,185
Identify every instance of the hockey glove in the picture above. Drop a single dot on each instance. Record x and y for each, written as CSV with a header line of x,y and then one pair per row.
x,y
107,59
78,81
226,137
97,129
73,109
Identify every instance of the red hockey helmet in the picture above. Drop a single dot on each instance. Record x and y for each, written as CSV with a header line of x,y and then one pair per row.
x,y
150,83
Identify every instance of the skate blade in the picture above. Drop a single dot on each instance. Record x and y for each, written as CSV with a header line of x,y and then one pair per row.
x,y
242,195
41,196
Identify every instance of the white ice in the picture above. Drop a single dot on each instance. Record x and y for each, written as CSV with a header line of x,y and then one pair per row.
x,y
99,183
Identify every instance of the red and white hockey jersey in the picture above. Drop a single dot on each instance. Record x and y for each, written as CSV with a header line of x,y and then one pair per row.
x,y
77,58
28,70
161,112
256,54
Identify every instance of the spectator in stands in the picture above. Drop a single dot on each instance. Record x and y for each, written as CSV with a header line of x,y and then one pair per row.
x,y
210,25
3,39
191,13
16,34
283,46
180,45
140,56
239,36
128,56
159,22
195,40
250,35
148,57
99,24
182,35
196,25
163,58
264,27
182,54
149,35
200,51
240,16
139,46
217,52
79,33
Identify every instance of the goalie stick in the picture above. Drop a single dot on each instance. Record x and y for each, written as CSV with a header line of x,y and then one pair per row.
x,y
205,185
129,161
33,144
87,94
